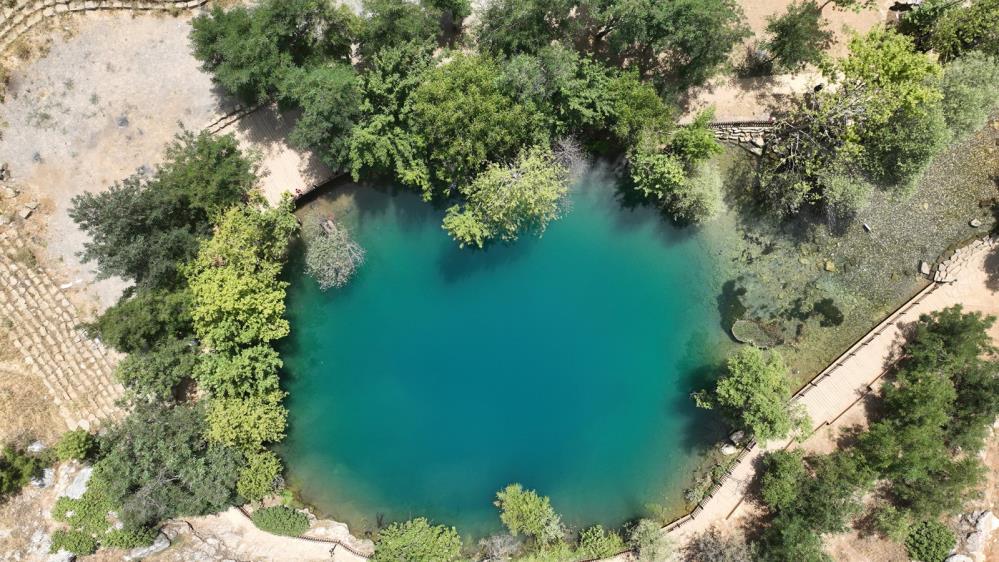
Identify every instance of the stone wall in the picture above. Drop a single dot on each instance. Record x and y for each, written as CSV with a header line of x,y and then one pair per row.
x,y
22,15
751,135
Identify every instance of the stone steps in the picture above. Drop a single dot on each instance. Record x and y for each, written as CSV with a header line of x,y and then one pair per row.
x,y
42,322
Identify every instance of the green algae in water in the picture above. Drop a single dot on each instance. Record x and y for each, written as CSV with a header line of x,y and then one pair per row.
x,y
440,375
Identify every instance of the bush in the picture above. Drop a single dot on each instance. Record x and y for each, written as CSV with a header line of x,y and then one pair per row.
x,y
258,477
16,469
525,512
892,522
783,473
596,543
280,520
930,541
971,91
649,542
417,541
77,542
75,445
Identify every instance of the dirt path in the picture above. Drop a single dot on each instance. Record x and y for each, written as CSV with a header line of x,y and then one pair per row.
x,y
835,399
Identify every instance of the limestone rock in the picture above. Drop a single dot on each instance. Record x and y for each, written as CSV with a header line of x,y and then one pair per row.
x,y
830,266
974,223
159,545
36,447
79,485
24,212
925,268
61,556
958,558
9,192
729,449
737,436
758,141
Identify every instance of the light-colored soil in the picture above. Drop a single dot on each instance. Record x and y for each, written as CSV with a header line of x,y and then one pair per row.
x,y
99,105
751,98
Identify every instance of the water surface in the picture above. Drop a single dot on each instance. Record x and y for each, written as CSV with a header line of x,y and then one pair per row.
x,y
440,375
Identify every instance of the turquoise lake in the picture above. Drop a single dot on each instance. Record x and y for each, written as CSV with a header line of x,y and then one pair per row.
x,y
440,375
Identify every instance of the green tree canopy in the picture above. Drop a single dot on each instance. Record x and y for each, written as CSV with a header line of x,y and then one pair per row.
x,y
248,50
505,201
145,227
465,121
389,23
970,89
524,512
238,296
417,540
330,101
754,392
798,37
156,464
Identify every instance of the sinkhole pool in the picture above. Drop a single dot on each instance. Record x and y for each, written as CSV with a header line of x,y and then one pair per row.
x,y
439,375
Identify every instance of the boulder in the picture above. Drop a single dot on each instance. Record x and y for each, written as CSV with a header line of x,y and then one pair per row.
x,y
729,449
78,486
958,558
159,545
24,212
36,447
9,192
974,223
61,556
737,436
830,266
758,141
925,268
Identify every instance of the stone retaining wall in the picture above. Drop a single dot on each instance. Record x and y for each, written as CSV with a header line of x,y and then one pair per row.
x,y
17,19
751,135
949,269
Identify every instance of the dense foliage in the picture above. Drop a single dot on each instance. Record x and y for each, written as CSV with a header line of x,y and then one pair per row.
x,y
76,444
203,311
16,469
930,541
753,393
524,512
477,129
417,540
280,520
145,227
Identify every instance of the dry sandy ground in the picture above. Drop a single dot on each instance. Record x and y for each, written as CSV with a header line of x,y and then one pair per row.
x,y
749,98
101,104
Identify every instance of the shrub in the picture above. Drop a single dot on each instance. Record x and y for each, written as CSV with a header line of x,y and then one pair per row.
x,y
280,520
596,543
77,542
892,522
525,512
930,541
783,472
417,540
16,469
648,541
971,91
258,477
75,445
711,546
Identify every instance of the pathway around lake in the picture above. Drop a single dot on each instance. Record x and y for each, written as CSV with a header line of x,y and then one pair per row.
x,y
855,374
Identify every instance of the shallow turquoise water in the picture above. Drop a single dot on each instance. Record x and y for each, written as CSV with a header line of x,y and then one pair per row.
x,y
564,363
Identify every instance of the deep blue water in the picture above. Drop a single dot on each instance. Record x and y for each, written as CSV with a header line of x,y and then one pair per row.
x,y
439,375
